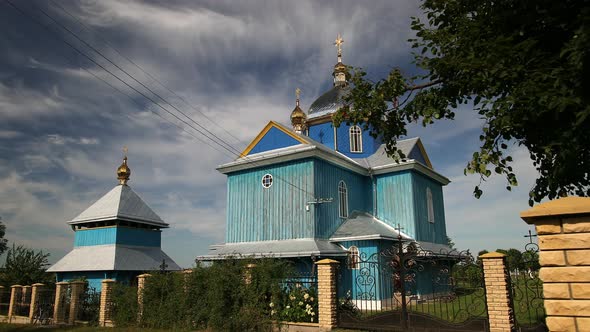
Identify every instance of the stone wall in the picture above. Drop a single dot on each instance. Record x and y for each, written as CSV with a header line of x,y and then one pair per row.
x,y
563,228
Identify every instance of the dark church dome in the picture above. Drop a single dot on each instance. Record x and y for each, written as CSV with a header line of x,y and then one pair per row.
x,y
329,102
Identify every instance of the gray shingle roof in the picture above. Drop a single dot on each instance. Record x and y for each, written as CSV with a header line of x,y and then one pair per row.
x,y
113,257
363,226
409,147
329,102
120,203
282,248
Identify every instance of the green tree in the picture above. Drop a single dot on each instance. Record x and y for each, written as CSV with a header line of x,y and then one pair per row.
x,y
24,266
523,66
3,241
513,258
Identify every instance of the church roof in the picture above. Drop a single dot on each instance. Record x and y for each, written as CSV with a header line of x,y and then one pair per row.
x,y
363,226
412,148
329,102
121,203
114,257
305,147
279,248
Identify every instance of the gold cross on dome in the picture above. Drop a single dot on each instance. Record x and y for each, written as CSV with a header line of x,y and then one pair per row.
x,y
297,92
339,41
125,150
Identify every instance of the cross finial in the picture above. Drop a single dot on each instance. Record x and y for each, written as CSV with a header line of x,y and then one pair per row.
x,y
399,231
530,236
125,150
297,94
163,266
339,41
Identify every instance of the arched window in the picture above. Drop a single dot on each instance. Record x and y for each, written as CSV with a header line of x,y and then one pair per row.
x,y
353,258
430,205
343,199
356,139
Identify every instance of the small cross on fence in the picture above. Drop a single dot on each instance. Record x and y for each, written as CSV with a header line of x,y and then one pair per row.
x,y
530,236
163,266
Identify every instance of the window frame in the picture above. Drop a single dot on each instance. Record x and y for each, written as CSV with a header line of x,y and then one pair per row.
x,y
342,199
430,205
355,135
266,185
353,258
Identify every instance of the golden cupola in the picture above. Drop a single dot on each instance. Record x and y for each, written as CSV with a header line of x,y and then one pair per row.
x,y
298,117
123,172
340,70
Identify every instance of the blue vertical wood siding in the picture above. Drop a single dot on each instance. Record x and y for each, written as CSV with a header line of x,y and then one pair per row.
x,y
395,201
323,133
276,213
274,139
432,232
370,144
117,235
326,178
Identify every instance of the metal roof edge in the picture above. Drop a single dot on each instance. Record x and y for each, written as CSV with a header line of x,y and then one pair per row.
x,y
412,165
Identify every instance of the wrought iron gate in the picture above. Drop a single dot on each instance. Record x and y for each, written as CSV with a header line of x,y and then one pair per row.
x,y
527,288
408,288
45,304
89,306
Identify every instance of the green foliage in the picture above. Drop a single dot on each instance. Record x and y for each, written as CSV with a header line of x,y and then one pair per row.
x,y
522,65
228,295
25,266
296,304
3,241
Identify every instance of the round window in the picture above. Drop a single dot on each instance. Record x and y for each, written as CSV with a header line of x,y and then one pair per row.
x,y
267,181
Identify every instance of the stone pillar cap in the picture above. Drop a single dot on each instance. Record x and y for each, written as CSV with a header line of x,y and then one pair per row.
x,y
107,281
15,286
558,207
27,286
493,254
62,283
145,275
327,261
38,284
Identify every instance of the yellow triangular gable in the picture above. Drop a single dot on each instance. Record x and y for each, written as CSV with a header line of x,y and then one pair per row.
x,y
265,130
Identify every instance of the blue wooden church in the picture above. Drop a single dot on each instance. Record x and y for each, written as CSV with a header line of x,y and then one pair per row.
x,y
118,237
319,191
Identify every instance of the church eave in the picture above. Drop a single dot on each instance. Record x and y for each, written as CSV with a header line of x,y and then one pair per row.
x,y
288,154
119,217
411,165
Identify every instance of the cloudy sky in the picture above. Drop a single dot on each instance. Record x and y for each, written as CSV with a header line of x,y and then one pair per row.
x,y
237,64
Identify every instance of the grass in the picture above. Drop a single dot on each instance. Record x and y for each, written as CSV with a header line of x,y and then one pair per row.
x,y
39,328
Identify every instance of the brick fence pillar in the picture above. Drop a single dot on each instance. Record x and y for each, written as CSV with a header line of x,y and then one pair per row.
x,y
59,312
77,288
106,297
498,293
563,227
34,300
16,292
327,297
141,282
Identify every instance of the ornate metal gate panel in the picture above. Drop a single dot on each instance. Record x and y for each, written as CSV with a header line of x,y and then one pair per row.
x,y
527,288
45,302
4,301
408,288
89,306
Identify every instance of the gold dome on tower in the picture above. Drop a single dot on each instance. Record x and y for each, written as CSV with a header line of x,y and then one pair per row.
x,y
123,172
298,117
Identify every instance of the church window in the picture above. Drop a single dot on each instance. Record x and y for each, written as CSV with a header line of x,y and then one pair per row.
x,y
430,205
267,181
356,139
343,199
353,258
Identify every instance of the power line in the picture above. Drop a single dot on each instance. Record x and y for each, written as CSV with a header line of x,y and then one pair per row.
x,y
141,69
142,94
119,79
133,78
